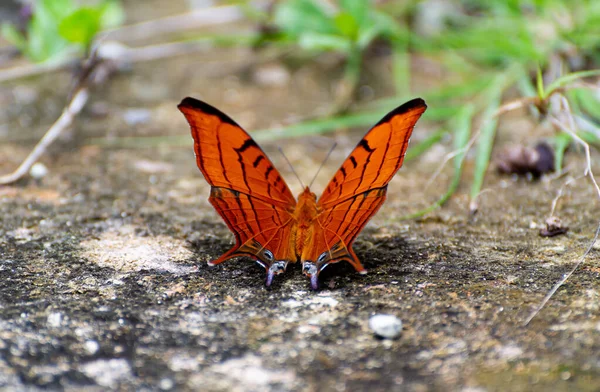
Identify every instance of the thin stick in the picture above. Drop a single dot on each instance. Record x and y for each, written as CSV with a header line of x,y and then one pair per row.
x,y
560,193
563,279
78,100
588,172
23,71
451,155
586,147
172,24
514,105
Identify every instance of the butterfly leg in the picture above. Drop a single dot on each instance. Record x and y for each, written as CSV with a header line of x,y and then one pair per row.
x,y
276,268
230,254
355,262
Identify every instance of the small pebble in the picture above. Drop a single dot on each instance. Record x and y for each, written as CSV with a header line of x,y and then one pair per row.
x,y
166,384
272,75
38,171
91,346
386,325
54,319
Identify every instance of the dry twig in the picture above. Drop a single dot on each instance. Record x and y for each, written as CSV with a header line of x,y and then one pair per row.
x,y
570,129
79,97
563,279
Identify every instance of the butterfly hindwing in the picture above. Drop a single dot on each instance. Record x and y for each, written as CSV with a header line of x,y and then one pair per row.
x,y
261,230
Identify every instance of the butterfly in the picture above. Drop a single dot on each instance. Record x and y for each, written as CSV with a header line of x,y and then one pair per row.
x,y
268,223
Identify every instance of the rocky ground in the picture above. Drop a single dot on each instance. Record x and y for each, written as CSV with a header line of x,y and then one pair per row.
x,y
104,282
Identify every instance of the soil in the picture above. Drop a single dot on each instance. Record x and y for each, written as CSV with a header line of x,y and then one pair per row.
x,y
104,282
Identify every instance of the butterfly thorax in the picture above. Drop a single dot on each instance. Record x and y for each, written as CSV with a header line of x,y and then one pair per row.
x,y
305,213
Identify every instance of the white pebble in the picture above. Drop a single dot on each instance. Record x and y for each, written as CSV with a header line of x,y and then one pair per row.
x,y
386,325
272,75
38,171
55,319
166,384
91,346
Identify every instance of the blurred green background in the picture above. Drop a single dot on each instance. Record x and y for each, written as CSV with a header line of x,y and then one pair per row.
x,y
494,56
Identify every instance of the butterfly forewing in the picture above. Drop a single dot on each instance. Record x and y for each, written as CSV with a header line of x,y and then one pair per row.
x,y
229,158
377,157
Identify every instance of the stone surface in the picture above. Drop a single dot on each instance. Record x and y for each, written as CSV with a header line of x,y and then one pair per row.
x,y
104,282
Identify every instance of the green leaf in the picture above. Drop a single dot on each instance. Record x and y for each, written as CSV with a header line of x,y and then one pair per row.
x,y
387,26
111,14
346,24
323,42
357,9
57,10
296,17
81,26
43,41
462,122
367,34
14,36
526,86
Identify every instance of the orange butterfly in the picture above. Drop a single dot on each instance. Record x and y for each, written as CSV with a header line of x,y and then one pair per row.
x,y
256,204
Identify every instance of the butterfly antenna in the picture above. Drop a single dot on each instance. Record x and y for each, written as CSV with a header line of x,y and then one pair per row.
x,y
323,163
291,167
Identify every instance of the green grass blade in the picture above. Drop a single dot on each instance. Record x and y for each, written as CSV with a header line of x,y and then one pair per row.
x,y
401,69
420,148
464,119
585,101
463,122
318,126
540,83
525,86
568,78
561,142
589,137
489,124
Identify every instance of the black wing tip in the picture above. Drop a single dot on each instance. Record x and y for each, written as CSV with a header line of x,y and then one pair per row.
x,y
405,107
193,103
